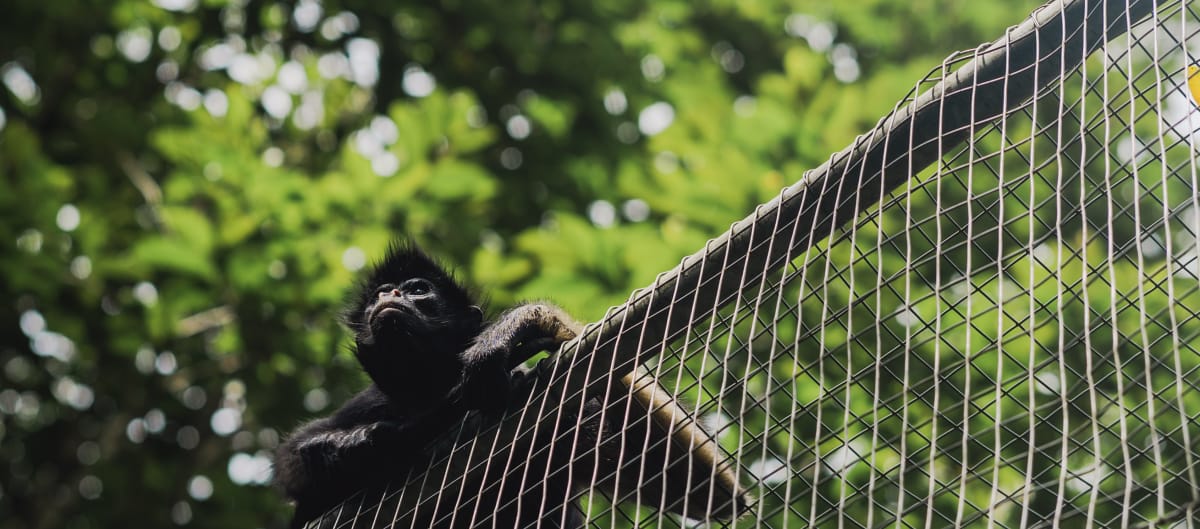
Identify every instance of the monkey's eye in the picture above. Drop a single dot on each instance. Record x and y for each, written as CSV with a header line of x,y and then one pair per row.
x,y
416,287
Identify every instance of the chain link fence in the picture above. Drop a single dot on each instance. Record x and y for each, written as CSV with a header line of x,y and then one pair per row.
x,y
984,313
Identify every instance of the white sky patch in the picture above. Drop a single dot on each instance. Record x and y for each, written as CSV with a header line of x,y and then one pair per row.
x,y
343,23
518,127
769,471
165,363
666,162
1179,114
32,322
364,61
273,156
135,430
306,15
53,345
27,405
417,82
602,213
200,488
184,96
316,400
653,68
615,102
264,67
385,164
216,102
656,118
798,25
167,71
846,70
908,317
354,259
67,218
136,43
292,77
277,102
843,457
1048,382
20,83
169,38
1082,481
845,62
310,112
73,394
246,469
243,68
745,106
333,65
144,359
1187,264
384,129
820,36
367,143
1131,149
217,56
176,5
145,293
31,241
156,420
636,210
225,421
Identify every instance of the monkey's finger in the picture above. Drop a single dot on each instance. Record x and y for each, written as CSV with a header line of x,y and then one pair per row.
x,y
526,349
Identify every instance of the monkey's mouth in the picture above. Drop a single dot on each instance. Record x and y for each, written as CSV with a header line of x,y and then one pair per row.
x,y
390,309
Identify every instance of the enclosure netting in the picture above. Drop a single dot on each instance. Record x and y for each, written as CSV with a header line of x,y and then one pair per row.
x,y
1005,332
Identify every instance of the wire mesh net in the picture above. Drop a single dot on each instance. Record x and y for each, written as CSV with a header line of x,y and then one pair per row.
x,y
1005,335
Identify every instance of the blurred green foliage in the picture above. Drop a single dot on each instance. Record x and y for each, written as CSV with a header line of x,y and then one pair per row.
x,y
189,187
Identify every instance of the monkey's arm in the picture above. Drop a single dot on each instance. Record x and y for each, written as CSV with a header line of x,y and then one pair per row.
x,y
319,459
515,336
330,458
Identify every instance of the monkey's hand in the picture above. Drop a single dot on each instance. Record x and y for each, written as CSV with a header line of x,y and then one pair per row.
x,y
321,460
515,336
354,444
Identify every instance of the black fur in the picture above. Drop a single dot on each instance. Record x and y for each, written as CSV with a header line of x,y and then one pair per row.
x,y
422,339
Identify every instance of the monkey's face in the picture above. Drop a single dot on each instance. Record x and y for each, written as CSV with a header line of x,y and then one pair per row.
x,y
409,303
412,306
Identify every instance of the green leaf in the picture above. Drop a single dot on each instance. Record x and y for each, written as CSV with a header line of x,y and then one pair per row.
x,y
173,255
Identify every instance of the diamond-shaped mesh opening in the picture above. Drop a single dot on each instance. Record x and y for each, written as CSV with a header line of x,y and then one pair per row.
x,y
1004,337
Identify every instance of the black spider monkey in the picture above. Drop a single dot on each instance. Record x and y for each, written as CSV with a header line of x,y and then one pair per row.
x,y
423,340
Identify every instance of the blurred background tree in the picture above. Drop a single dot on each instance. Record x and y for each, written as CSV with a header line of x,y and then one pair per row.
x,y
190,186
